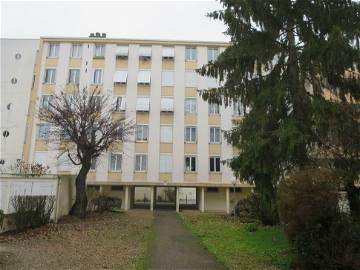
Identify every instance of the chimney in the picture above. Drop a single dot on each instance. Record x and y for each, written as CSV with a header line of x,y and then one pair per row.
x,y
103,35
97,34
91,35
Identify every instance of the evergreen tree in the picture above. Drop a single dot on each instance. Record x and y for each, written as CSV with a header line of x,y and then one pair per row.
x,y
285,59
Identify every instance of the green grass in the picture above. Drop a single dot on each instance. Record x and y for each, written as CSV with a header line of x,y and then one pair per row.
x,y
236,247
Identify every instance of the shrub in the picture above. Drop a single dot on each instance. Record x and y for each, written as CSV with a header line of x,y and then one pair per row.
x,y
2,217
322,235
251,227
32,211
105,203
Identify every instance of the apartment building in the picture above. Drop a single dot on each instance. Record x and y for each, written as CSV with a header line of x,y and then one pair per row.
x,y
175,158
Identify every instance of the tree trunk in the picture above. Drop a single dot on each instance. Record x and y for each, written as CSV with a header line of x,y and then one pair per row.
x,y
79,207
353,194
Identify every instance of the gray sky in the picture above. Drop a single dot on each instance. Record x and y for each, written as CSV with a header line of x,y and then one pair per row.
x,y
184,20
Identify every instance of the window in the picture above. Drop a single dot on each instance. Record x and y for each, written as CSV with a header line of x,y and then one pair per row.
x,y
96,101
145,52
144,77
99,51
190,79
115,162
120,76
166,163
142,133
212,82
212,189
43,131
166,134
120,104
41,158
64,163
214,108
76,51
168,52
53,50
215,135
93,164
190,105
117,188
239,109
143,104
141,162
74,76
97,76
190,163
50,76
167,104
167,78
214,165
122,51
45,100
190,134
213,54
190,54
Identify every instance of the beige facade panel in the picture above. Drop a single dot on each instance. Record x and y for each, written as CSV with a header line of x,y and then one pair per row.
x,y
214,120
51,62
190,177
142,118
166,147
91,176
140,176
168,64
166,119
145,64
215,201
117,147
121,64
190,148
75,62
71,88
98,63
236,151
191,92
190,119
215,177
48,88
215,148
119,90
143,90
41,145
167,91
190,65
118,115
114,176
98,88
165,177
141,147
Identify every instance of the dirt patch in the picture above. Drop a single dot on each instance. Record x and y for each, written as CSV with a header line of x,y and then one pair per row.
x,y
101,241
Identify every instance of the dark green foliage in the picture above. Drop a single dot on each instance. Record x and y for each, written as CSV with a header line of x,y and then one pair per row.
x,y
2,217
32,211
323,237
251,227
283,56
105,203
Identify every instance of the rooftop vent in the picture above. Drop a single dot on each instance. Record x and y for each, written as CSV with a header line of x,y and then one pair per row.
x,y
97,35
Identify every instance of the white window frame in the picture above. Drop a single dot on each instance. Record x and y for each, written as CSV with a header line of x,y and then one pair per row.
x,y
213,54
118,156
167,78
71,78
168,52
39,133
191,54
167,104
212,137
99,50
45,100
165,163
144,77
192,158
239,110
143,104
122,51
145,52
76,50
142,159
163,133
50,76
214,160
120,77
98,79
64,163
53,50
93,164
142,133
192,134
214,109
119,104
190,105
191,79
43,155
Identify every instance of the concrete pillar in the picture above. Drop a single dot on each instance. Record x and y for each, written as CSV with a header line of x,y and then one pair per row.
x,y
202,199
177,199
152,199
127,198
228,200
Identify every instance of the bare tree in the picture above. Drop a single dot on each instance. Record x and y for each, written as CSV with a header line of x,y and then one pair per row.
x,y
85,128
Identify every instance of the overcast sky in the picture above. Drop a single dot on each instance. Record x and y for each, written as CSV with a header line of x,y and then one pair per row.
x,y
183,20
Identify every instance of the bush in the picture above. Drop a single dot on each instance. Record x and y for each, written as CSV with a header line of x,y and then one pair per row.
x,y
32,211
322,235
2,217
105,203
251,227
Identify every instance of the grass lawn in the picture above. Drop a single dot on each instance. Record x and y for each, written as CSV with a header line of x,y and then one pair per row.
x,y
237,248
101,241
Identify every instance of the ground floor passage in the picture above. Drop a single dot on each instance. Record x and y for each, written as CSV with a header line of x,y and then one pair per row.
x,y
204,199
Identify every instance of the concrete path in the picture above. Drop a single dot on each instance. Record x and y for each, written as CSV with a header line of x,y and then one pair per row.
x,y
174,247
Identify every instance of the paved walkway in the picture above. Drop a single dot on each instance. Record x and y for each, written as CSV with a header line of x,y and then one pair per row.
x,y
174,247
